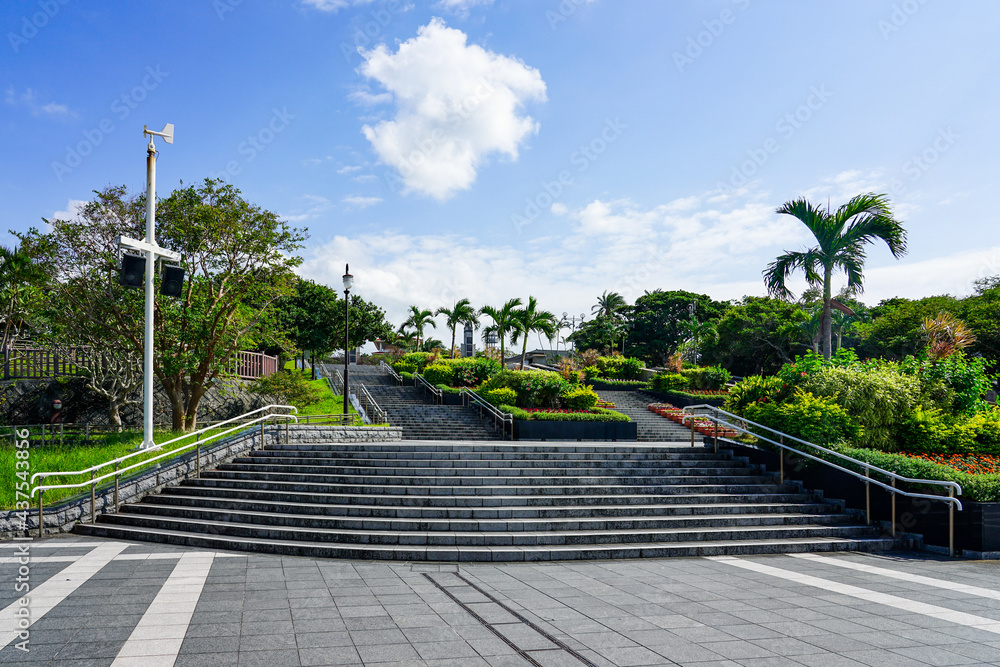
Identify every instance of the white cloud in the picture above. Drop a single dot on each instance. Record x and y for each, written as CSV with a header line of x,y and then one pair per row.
x,y
72,212
461,7
456,105
367,98
314,206
28,100
349,169
356,201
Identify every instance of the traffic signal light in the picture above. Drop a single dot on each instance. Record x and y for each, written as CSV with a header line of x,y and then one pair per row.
x,y
172,281
133,271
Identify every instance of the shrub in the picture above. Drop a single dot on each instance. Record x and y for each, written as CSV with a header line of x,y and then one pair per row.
x,y
472,371
290,386
595,415
403,366
878,395
535,389
965,377
664,382
499,396
439,374
754,389
580,398
812,418
591,373
417,359
619,367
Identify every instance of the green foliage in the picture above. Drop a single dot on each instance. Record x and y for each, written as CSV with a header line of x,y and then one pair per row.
x,y
664,382
711,377
601,333
878,395
439,373
894,330
579,398
754,389
499,396
756,335
659,319
591,373
414,362
289,386
595,415
930,431
966,377
471,371
814,419
535,389
404,366
619,367
977,488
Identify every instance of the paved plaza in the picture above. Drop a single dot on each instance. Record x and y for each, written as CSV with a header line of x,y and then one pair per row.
x,y
100,602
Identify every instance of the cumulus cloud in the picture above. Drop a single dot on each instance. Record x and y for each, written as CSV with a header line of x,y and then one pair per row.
x,y
456,106
72,211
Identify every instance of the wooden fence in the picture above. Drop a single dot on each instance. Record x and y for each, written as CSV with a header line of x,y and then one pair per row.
x,y
30,363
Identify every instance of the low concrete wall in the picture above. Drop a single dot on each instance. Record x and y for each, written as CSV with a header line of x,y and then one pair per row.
x,y
62,516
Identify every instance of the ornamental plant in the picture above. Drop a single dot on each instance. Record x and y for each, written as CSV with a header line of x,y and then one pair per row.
x,y
579,398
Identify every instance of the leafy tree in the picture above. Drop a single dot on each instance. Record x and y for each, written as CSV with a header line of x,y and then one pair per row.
x,y
461,313
418,319
239,261
504,323
981,312
894,330
609,304
842,237
600,333
756,335
22,278
659,319
309,316
529,320
697,335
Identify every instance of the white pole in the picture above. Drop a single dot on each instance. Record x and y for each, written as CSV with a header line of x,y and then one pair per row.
x,y
147,377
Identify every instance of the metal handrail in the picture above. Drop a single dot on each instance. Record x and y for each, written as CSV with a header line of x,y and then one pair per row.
x,y
504,417
953,487
118,470
427,385
377,412
391,371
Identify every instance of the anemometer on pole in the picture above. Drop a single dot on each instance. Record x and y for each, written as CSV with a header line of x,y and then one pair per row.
x,y
132,265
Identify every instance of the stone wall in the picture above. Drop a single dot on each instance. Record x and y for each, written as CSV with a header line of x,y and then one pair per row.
x,y
62,516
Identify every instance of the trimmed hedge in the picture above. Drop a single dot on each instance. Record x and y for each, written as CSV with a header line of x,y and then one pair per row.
x,y
596,415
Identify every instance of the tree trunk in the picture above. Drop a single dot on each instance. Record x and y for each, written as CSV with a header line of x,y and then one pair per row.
x,y
826,327
312,358
453,341
524,350
114,413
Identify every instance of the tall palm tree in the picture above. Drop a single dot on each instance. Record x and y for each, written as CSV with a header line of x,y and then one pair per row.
x,y
609,304
842,237
462,313
529,319
504,323
418,319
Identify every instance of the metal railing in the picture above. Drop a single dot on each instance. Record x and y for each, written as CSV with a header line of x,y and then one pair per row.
x,y
119,471
435,392
375,412
501,419
391,371
740,426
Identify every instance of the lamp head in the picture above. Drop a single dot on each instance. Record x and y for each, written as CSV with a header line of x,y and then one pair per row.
x,y
348,278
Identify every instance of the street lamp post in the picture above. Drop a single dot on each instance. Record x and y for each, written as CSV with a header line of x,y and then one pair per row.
x,y
152,251
348,283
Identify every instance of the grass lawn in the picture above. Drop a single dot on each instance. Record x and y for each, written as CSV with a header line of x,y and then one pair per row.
x,y
72,457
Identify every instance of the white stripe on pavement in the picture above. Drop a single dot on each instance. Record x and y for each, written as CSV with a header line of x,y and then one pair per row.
x,y
56,589
158,637
903,576
943,613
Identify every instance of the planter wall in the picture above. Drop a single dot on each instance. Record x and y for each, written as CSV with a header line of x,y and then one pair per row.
x,y
683,401
551,430
610,386
977,526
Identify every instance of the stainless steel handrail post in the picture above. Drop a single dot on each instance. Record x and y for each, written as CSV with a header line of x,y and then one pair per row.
x,y
951,524
893,482
41,514
781,457
868,500
93,499
117,463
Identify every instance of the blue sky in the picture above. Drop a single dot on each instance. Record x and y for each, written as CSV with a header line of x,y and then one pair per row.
x,y
495,149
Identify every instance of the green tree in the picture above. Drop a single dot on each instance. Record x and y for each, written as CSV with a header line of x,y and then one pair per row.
x,y
609,304
22,279
894,329
529,320
981,312
659,320
239,261
757,335
841,237
600,333
504,323
310,317
461,313
418,319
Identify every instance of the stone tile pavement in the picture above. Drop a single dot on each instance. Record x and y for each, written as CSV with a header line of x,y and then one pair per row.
x,y
100,602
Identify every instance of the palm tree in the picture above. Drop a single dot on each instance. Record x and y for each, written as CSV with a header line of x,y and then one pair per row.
x,y
504,323
530,319
418,319
405,338
698,334
608,304
842,237
462,313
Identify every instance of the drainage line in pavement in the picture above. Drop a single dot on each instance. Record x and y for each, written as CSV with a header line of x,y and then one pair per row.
x,y
529,623
482,620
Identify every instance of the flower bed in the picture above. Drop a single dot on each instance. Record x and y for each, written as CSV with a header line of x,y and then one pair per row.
x,y
702,425
545,414
972,464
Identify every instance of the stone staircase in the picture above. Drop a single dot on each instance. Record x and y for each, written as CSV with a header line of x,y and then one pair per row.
x,y
650,426
411,409
499,501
